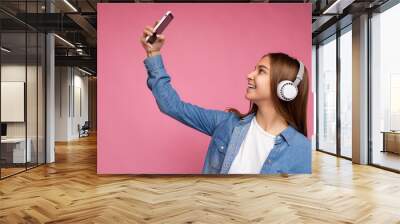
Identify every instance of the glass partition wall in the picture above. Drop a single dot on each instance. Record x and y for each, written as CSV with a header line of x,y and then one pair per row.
x,y
22,88
345,65
385,89
334,94
334,83
326,60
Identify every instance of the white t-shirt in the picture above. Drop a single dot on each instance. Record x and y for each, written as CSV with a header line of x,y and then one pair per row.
x,y
253,151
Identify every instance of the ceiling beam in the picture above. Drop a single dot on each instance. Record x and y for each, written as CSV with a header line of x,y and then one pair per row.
x,y
81,61
84,24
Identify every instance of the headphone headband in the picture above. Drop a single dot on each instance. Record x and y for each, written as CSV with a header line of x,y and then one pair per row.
x,y
286,89
300,74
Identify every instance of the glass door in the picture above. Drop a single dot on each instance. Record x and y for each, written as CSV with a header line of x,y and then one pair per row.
x,y
346,95
326,59
385,89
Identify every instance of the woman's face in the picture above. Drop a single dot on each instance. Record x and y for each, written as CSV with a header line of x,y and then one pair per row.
x,y
258,88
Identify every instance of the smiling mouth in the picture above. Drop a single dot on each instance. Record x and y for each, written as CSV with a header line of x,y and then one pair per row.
x,y
250,86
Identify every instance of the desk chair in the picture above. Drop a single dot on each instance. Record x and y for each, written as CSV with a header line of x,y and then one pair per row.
x,y
84,130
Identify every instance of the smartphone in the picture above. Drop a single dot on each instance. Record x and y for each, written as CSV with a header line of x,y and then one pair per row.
x,y
160,27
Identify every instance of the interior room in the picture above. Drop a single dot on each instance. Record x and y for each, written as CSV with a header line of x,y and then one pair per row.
x,y
50,131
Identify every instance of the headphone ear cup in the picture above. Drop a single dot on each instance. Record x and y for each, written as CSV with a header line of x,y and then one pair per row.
x,y
286,90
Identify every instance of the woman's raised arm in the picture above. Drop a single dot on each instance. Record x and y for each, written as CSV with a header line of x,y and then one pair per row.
x,y
169,102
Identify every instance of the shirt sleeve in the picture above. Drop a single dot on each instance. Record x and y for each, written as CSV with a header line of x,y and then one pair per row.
x,y
170,103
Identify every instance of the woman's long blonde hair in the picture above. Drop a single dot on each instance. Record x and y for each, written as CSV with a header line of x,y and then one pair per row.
x,y
285,67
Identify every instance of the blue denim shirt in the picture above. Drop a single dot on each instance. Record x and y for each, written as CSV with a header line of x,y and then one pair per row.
x,y
291,153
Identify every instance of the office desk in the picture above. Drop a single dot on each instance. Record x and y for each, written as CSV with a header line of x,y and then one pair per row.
x,y
391,141
15,148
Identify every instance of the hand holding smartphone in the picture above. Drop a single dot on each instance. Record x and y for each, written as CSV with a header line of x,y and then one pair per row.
x,y
160,27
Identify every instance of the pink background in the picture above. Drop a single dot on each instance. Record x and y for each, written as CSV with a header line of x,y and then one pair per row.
x,y
209,50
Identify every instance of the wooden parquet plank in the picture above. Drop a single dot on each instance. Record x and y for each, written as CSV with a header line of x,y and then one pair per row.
x,y
70,191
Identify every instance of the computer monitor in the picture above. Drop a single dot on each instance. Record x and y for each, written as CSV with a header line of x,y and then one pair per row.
x,y
3,129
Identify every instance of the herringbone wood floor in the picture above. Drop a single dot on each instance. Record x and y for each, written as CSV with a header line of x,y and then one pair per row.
x,y
70,191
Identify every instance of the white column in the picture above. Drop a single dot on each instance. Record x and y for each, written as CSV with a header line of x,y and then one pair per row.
x,y
50,91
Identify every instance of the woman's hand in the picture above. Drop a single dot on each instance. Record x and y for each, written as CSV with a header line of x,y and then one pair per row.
x,y
156,46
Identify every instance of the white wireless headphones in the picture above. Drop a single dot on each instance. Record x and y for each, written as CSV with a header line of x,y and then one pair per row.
x,y
287,90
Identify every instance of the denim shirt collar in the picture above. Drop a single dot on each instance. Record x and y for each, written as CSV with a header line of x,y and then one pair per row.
x,y
287,134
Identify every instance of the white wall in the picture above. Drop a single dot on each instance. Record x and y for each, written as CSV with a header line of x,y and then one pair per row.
x,y
61,103
12,101
81,84
33,127
15,72
71,91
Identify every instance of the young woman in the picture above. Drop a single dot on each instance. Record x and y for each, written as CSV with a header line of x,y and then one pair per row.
x,y
269,139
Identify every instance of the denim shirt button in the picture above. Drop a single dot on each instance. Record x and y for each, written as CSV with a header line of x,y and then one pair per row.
x,y
278,140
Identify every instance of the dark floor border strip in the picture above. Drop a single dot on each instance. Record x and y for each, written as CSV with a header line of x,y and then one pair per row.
x,y
29,168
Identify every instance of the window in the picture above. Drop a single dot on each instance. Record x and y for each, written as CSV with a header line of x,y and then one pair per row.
x,y
346,92
22,65
385,88
327,96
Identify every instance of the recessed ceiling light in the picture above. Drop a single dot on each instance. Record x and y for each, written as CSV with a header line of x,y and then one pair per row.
x,y
338,6
64,40
84,71
70,5
5,49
